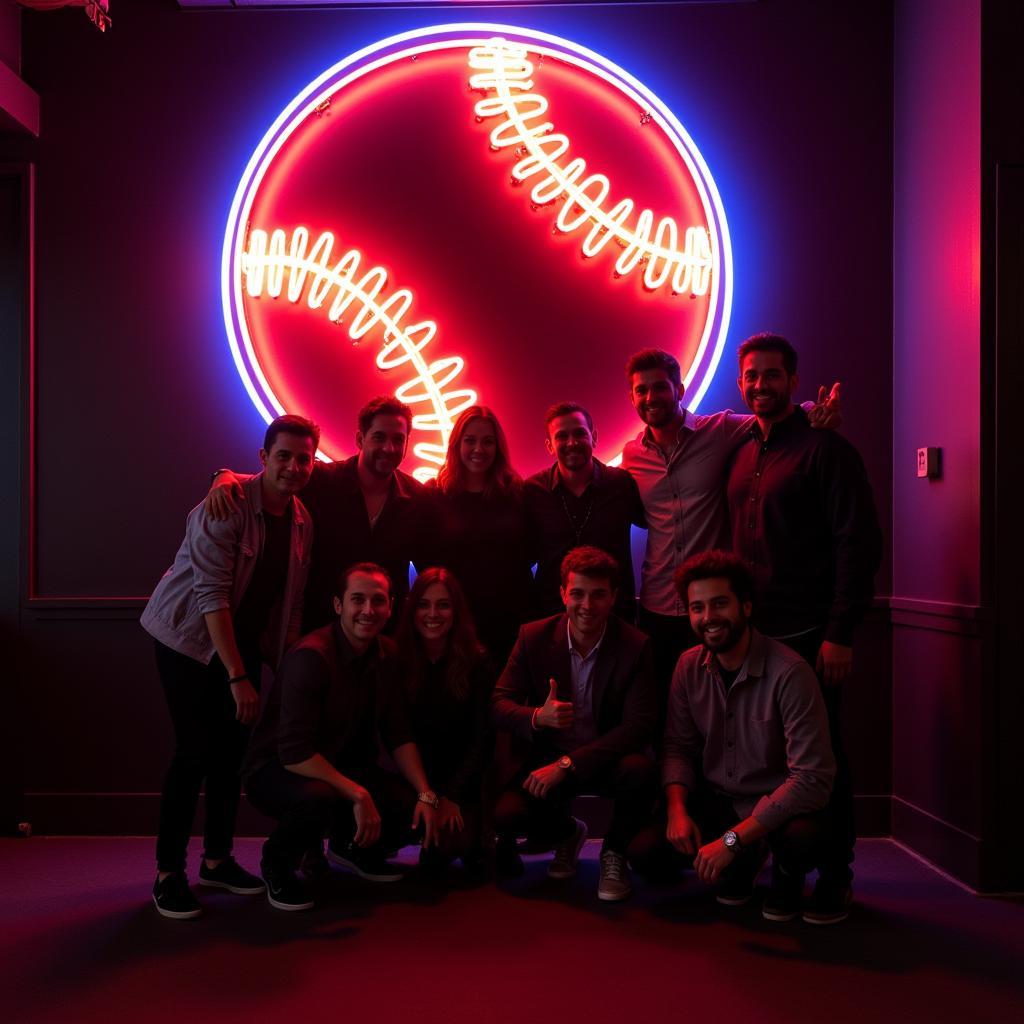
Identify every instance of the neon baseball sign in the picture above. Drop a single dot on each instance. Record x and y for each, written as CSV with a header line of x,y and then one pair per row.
x,y
471,213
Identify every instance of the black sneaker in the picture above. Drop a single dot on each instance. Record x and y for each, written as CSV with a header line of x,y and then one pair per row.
x,y
507,862
285,892
173,897
368,864
736,883
230,875
784,897
314,864
829,903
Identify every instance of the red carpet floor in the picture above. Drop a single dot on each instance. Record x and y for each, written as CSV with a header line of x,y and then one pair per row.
x,y
82,942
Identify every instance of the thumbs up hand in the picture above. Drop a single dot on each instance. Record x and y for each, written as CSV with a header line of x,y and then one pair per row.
x,y
554,713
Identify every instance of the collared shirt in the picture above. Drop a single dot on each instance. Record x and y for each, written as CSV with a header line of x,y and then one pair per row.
x,y
581,672
803,519
326,699
402,533
763,742
559,521
683,494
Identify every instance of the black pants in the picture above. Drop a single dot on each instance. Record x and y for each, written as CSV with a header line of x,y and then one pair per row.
x,y
670,636
209,742
631,782
795,845
307,809
837,851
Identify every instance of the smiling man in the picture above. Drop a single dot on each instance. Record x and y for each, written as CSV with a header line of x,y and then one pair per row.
x,y
804,521
577,695
312,764
746,755
363,508
579,501
680,462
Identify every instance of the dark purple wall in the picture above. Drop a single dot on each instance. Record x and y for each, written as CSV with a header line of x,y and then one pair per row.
x,y
146,130
940,691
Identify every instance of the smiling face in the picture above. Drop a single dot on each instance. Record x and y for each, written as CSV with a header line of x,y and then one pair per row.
x,y
766,386
478,447
434,614
288,464
382,447
716,614
364,608
655,398
588,602
571,441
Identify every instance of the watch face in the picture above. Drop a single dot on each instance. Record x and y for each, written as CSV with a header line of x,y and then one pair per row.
x,y
565,762
730,839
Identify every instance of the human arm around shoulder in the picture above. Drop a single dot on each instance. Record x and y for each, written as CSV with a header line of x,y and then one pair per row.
x,y
225,496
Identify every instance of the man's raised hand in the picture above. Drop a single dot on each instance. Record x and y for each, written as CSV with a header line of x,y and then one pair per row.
x,y
554,713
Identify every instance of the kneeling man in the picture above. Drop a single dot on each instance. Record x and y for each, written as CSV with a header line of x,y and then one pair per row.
x,y
747,760
578,694
312,764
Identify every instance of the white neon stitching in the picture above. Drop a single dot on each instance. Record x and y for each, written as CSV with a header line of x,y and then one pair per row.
x,y
266,266
506,70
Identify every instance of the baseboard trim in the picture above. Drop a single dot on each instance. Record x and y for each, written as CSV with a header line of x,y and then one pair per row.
x,y
951,849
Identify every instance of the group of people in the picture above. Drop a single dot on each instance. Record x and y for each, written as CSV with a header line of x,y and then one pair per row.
x,y
521,670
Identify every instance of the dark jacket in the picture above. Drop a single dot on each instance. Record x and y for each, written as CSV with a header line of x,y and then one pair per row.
x,y
343,536
623,691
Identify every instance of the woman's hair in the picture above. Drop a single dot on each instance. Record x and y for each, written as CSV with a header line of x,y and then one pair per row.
x,y
464,649
502,479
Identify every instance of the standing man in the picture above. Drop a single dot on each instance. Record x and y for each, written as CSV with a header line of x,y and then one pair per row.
x,y
803,519
363,508
231,600
312,764
680,461
746,758
577,694
579,501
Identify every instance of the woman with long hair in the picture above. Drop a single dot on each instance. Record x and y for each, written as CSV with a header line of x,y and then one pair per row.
x,y
483,535
448,679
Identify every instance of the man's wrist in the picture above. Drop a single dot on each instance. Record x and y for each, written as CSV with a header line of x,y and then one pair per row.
x,y
428,797
217,473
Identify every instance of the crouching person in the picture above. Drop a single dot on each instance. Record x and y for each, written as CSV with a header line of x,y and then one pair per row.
x,y
747,765
312,764
577,695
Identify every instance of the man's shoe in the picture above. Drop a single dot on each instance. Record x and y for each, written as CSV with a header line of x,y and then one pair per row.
x,y
507,862
736,883
567,853
784,897
829,903
285,892
614,884
173,897
366,864
230,875
314,864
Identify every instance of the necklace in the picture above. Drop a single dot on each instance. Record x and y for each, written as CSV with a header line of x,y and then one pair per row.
x,y
577,530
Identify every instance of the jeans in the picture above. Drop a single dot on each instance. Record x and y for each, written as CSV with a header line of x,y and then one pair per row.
x,y
209,743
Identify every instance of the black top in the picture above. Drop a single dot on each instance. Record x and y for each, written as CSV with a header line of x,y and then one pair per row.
x,y
483,541
328,700
803,518
560,521
269,578
452,735
342,534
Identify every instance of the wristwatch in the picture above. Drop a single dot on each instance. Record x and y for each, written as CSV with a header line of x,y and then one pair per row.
x,y
429,797
565,763
732,841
